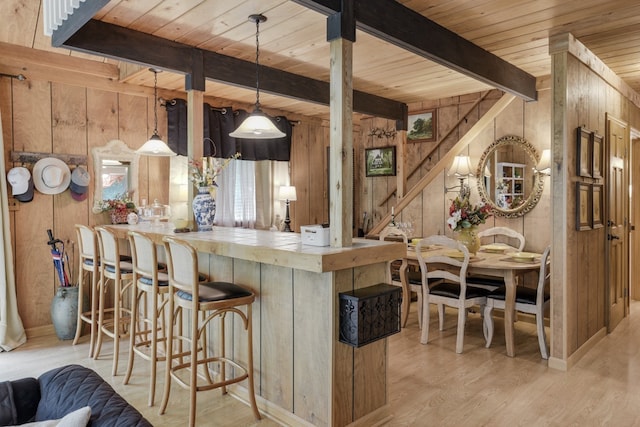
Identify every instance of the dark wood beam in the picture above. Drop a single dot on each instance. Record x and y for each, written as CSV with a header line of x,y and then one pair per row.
x,y
97,37
394,23
342,24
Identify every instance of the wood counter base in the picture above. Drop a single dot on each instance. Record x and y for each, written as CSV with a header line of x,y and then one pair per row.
x,y
303,374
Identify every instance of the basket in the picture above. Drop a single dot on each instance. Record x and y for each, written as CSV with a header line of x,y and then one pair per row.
x,y
119,216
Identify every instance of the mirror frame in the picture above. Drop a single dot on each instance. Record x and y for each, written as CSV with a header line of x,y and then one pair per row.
x,y
538,183
115,150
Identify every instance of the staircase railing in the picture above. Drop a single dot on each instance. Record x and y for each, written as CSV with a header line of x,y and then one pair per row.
x,y
446,160
434,149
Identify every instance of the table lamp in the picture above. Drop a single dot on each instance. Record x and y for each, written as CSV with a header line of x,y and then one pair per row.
x,y
288,194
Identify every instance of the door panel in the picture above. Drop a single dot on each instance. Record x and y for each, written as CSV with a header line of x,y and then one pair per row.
x,y
617,219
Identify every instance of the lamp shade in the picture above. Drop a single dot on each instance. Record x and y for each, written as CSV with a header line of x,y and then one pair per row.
x,y
287,192
544,165
155,147
461,167
257,126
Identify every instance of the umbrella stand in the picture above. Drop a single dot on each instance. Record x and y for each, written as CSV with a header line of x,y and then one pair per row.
x,y
64,305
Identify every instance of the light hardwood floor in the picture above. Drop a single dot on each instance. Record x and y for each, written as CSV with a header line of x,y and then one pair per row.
x,y
429,384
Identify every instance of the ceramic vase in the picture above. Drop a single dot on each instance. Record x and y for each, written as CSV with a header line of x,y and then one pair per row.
x,y
204,209
64,312
469,238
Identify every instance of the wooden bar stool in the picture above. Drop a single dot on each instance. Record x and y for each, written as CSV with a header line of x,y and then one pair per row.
x,y
144,330
112,268
88,264
213,300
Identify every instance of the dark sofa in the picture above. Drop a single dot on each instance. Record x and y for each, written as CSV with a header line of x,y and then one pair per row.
x,y
61,391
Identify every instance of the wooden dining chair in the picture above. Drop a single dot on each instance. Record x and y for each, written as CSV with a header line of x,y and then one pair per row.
x,y
528,300
444,282
414,279
504,235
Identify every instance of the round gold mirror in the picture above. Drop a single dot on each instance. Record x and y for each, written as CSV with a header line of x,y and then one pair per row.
x,y
507,179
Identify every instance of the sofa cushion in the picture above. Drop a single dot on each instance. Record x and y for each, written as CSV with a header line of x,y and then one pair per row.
x,y
71,387
77,418
18,401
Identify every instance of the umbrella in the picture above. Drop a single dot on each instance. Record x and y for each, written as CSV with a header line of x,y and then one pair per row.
x,y
58,259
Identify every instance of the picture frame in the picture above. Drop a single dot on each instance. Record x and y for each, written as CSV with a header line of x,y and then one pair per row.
x,y
597,200
584,206
422,126
597,152
380,161
584,155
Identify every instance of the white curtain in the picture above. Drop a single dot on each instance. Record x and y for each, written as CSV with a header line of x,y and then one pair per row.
x,y
248,192
11,330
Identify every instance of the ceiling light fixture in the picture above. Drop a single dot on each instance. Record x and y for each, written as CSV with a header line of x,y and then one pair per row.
x,y
257,125
155,146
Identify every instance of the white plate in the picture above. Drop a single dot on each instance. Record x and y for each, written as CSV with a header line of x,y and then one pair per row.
x,y
455,254
523,256
495,249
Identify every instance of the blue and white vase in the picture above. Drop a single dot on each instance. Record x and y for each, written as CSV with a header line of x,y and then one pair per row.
x,y
204,209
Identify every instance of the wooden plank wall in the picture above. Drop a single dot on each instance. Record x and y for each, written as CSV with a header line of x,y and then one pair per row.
x,y
579,286
429,212
42,116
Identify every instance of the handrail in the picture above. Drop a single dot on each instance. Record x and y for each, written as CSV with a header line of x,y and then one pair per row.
x,y
446,160
433,150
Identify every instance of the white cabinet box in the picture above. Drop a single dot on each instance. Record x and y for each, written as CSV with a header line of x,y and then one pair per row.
x,y
314,235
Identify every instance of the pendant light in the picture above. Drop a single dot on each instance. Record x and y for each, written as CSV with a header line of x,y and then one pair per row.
x,y
155,146
257,125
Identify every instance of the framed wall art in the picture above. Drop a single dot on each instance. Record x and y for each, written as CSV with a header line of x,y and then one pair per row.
x,y
597,200
597,150
380,161
584,206
584,156
422,126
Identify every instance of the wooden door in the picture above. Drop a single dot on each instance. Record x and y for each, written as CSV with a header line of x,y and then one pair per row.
x,y
634,237
617,219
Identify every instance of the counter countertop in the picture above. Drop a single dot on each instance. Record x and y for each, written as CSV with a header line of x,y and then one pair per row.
x,y
275,248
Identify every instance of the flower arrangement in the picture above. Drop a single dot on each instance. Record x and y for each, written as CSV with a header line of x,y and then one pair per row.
x,y
204,173
463,215
122,203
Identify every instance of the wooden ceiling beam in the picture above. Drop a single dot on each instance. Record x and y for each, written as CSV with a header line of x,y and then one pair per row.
x,y
97,37
396,24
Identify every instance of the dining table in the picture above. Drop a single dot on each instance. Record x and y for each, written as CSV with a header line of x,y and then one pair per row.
x,y
501,263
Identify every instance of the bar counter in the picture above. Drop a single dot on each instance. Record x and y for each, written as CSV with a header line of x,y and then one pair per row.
x,y
303,374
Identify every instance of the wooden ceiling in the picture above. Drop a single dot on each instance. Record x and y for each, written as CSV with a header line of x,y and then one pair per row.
x,y
294,40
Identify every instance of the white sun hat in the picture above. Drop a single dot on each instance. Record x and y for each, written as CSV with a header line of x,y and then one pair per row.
x,y
51,175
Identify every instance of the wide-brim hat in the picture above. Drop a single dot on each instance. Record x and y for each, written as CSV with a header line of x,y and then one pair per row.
x,y
51,175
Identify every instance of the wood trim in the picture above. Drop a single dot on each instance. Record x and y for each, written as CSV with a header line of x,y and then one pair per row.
x,y
566,42
30,157
446,159
424,159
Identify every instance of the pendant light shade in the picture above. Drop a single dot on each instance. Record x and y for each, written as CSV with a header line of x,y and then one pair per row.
x,y
155,146
257,125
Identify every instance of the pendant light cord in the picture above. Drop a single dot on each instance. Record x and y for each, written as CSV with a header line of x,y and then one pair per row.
x,y
257,64
155,101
